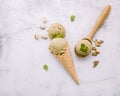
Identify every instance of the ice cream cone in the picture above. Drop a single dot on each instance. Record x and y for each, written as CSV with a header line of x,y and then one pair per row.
x,y
67,62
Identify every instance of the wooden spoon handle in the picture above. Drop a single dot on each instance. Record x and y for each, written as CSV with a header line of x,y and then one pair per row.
x,y
99,21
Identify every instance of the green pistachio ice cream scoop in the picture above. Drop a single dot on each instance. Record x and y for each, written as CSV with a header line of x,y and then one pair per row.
x,y
84,46
57,46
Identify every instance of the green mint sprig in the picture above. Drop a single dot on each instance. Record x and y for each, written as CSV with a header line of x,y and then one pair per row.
x,y
72,18
58,36
83,48
45,67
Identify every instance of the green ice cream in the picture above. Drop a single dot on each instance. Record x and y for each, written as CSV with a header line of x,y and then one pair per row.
x,y
56,30
57,46
83,47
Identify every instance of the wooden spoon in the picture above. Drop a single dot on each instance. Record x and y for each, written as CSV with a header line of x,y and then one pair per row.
x,y
104,14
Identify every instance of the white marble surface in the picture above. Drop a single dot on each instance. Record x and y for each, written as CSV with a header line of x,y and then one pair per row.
x,y
22,57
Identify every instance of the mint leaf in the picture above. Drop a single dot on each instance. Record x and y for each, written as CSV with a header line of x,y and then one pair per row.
x,y
83,47
58,36
45,67
54,35
72,18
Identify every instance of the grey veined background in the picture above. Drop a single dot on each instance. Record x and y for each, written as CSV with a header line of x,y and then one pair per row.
x,y
22,57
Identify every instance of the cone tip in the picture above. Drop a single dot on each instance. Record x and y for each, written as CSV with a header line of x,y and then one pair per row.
x,y
76,81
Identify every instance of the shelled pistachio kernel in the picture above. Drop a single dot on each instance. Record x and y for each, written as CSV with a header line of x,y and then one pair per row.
x,y
42,27
44,20
97,43
95,63
36,36
44,36
97,51
94,54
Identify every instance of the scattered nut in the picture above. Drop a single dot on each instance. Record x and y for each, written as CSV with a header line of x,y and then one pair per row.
x,y
93,48
97,51
44,36
42,27
36,36
98,42
95,63
44,19
94,54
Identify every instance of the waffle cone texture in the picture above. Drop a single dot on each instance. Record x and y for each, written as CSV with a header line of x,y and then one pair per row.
x,y
67,62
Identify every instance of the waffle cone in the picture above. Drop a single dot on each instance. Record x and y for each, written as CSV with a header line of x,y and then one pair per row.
x,y
67,62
